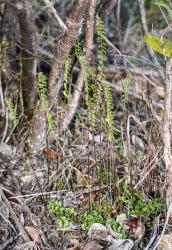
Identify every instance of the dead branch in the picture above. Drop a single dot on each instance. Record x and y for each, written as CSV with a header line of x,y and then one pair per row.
x,y
88,46
16,220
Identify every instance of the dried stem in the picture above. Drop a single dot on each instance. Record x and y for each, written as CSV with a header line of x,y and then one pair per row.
x,y
166,132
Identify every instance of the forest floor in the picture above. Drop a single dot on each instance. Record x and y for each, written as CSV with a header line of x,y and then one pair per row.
x,y
86,196
89,192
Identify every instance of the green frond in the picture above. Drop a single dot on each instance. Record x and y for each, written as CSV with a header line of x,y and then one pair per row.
x,y
109,111
88,75
126,83
79,53
12,112
67,76
42,84
51,124
101,44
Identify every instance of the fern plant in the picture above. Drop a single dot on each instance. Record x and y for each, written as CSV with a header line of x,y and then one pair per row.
x,y
42,84
94,86
67,76
126,83
12,112
88,77
109,112
100,30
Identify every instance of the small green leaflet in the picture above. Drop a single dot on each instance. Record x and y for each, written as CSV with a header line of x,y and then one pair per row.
x,y
161,45
165,6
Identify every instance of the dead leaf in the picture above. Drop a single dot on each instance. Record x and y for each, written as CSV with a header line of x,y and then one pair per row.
x,y
51,154
92,245
83,179
34,233
132,222
88,199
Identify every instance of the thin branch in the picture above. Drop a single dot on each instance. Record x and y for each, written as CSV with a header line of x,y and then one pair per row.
x,y
164,227
16,220
52,10
118,17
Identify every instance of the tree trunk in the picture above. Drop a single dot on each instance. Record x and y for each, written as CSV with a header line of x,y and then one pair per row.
x,y
28,56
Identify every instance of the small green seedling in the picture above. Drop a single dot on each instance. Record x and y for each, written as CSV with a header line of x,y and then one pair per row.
x,y
88,218
64,215
117,227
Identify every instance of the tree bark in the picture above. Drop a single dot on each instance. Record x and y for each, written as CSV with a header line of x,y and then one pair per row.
x,y
28,55
8,37
106,8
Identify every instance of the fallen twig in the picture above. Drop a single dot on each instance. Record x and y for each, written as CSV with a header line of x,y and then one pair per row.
x,y
16,220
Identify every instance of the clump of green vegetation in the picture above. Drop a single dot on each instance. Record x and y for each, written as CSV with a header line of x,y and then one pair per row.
x,y
117,227
135,203
88,218
103,213
104,175
130,202
64,215
12,112
103,207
